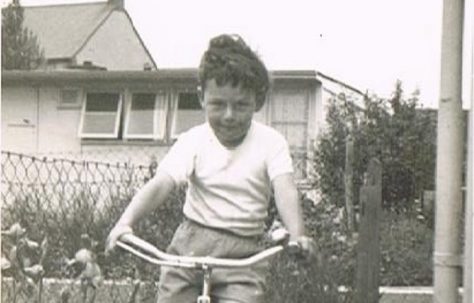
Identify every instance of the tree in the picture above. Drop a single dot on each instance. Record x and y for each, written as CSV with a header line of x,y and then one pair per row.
x,y
329,163
20,48
394,130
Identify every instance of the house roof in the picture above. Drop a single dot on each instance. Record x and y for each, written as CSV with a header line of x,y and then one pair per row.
x,y
63,29
341,83
137,77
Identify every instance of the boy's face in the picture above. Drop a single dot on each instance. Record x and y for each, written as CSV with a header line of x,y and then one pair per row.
x,y
229,111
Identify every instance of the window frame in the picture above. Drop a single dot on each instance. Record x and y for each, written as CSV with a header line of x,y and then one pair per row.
x,y
118,115
156,134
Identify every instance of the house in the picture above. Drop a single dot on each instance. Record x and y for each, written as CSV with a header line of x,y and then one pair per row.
x,y
96,35
87,103
99,114
133,116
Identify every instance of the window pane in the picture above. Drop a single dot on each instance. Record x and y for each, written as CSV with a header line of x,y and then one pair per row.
x,y
143,102
100,115
189,101
141,115
99,124
189,112
102,102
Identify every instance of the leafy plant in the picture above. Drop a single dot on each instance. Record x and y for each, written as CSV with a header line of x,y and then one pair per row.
x,y
406,250
20,47
396,131
22,259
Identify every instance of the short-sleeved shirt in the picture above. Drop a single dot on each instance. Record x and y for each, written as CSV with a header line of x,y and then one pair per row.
x,y
228,188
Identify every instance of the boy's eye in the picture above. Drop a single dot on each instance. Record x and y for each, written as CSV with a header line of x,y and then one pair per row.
x,y
217,104
221,105
241,105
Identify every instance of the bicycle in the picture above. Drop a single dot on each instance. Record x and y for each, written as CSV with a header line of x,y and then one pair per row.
x,y
153,255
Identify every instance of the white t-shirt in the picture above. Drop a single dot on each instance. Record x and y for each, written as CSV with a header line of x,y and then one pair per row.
x,y
228,188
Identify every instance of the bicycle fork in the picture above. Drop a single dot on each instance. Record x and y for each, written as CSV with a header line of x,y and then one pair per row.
x,y
206,285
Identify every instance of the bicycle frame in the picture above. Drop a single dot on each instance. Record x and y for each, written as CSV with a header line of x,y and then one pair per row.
x,y
151,254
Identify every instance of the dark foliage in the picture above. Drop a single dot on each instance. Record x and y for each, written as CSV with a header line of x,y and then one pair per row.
x,y
20,47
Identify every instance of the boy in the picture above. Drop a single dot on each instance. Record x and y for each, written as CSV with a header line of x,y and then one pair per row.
x,y
230,163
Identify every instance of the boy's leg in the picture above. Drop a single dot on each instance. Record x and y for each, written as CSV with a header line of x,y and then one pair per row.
x,y
228,285
175,288
178,285
244,285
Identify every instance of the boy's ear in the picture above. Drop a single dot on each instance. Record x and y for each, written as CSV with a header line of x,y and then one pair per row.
x,y
200,94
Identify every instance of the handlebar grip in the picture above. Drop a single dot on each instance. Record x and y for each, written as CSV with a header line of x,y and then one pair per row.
x,y
142,245
294,247
128,238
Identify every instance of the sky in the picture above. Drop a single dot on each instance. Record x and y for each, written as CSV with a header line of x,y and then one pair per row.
x,y
369,44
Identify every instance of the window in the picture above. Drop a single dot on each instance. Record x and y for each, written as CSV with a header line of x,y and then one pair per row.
x,y
138,115
188,113
146,116
101,115
290,116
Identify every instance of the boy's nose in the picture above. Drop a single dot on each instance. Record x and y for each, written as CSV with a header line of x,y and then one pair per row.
x,y
229,112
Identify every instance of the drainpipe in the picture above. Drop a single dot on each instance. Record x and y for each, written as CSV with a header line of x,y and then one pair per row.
x,y
447,247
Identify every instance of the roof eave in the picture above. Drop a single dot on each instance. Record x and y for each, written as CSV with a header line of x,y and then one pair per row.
x,y
15,76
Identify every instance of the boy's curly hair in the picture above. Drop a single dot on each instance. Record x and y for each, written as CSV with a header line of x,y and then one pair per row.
x,y
229,60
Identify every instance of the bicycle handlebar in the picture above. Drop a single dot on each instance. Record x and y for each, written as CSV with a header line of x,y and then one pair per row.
x,y
150,253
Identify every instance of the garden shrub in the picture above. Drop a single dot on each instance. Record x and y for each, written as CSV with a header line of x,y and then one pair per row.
x,y
406,247
403,138
396,131
291,280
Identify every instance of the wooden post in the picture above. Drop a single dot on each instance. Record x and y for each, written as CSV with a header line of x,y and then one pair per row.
x,y
368,247
349,185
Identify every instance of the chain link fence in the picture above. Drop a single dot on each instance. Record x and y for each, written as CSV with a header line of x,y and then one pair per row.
x,y
73,204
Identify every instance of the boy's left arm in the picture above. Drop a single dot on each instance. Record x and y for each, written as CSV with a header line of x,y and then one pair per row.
x,y
289,207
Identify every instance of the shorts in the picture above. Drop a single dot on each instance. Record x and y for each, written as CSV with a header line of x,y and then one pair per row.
x,y
180,285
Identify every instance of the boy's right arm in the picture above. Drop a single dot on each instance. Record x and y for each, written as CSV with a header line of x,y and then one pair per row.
x,y
154,193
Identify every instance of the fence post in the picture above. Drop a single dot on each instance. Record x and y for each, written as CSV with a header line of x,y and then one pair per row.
x,y
349,188
368,249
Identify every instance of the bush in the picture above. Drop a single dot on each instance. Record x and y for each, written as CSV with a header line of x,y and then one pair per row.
x,y
295,281
406,250
393,130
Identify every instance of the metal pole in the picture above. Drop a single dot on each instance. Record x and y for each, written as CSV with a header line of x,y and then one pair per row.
x,y
447,246
468,255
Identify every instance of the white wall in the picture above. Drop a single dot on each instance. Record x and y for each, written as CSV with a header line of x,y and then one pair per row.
x,y
19,119
57,131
